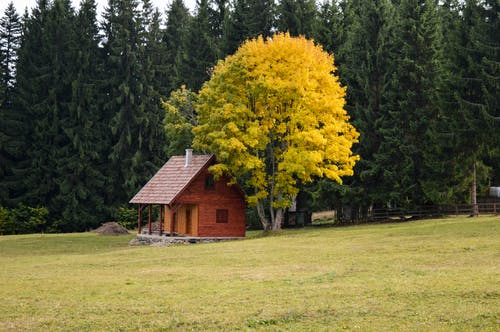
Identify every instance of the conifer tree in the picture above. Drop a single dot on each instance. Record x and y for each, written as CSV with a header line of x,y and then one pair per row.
x,y
153,70
82,185
248,19
329,30
218,11
469,131
133,156
201,52
297,17
175,43
365,71
411,102
36,102
11,123
51,116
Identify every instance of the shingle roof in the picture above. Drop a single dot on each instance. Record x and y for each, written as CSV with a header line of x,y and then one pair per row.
x,y
171,180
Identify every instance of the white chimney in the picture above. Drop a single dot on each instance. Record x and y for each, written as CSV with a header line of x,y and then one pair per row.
x,y
189,157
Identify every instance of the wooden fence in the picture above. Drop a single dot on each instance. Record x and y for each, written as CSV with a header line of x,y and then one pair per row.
x,y
431,211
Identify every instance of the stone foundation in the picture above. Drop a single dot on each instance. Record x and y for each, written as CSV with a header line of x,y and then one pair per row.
x,y
165,240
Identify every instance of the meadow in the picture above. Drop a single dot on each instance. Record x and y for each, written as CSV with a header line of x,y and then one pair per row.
x,y
433,275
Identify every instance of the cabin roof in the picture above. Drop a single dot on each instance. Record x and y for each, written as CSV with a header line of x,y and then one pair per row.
x,y
171,180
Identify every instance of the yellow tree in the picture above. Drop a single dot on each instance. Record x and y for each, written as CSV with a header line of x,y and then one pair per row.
x,y
273,114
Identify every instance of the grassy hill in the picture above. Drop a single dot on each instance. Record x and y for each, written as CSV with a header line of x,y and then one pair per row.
x,y
434,275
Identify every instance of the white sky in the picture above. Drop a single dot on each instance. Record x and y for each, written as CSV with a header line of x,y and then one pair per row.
x,y
22,4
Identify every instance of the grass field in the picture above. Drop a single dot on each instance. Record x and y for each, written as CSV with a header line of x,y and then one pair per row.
x,y
435,275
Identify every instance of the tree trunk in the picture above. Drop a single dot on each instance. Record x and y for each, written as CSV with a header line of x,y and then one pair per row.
x,y
278,219
262,216
473,192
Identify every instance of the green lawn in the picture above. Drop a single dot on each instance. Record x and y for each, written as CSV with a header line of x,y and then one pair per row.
x,y
436,275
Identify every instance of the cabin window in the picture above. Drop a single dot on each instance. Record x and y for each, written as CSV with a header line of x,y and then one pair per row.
x,y
210,182
221,216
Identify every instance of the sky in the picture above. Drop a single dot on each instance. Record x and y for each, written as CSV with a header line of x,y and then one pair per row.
x,y
22,4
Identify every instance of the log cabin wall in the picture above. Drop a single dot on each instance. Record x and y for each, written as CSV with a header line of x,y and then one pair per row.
x,y
208,201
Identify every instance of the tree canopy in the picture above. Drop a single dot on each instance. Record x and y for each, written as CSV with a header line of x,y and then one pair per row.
x,y
273,114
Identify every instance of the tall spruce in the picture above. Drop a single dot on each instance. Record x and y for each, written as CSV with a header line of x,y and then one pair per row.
x,y
80,199
488,43
153,69
443,184
248,19
412,103
329,30
44,86
469,129
201,52
218,11
12,137
175,40
366,69
133,156
297,17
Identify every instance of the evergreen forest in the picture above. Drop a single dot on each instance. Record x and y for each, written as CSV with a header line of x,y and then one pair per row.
x,y
92,105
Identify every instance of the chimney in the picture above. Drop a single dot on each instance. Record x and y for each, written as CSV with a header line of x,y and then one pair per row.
x,y
189,157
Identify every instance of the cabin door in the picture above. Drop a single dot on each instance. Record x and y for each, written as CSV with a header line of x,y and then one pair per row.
x,y
191,219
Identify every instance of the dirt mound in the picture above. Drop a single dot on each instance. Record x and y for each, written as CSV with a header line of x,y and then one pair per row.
x,y
111,228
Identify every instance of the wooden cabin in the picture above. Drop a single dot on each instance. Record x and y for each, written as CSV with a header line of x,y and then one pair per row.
x,y
192,203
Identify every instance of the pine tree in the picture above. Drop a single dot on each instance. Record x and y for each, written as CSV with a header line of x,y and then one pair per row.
x,y
365,71
156,50
201,52
134,155
11,123
33,84
218,11
175,43
51,125
153,67
297,17
412,103
488,43
10,36
82,185
248,19
329,29
467,123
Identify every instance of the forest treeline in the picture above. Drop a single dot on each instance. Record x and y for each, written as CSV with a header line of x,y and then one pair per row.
x,y
82,125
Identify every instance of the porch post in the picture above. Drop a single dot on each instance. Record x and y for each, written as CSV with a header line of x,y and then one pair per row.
x,y
149,220
171,221
160,231
139,220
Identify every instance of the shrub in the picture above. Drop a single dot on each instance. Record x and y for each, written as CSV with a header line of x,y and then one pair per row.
x,y
7,224
30,219
126,217
23,220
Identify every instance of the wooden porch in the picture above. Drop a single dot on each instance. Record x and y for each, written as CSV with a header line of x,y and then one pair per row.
x,y
178,220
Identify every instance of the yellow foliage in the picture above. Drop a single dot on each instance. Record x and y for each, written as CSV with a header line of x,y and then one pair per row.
x,y
273,113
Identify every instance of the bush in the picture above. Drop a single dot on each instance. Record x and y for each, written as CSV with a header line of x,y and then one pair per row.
x,y
126,217
7,223
23,220
30,219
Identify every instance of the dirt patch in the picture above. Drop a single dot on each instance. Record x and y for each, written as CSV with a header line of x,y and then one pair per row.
x,y
111,228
